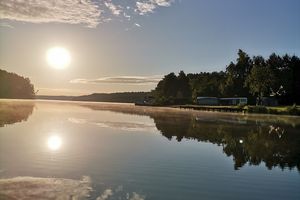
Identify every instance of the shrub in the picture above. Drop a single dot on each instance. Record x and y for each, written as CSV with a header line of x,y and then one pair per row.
x,y
293,110
257,109
273,111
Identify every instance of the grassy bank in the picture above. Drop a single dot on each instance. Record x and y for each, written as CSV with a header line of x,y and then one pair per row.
x,y
278,110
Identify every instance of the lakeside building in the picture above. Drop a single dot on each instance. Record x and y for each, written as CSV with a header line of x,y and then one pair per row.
x,y
213,101
208,101
233,101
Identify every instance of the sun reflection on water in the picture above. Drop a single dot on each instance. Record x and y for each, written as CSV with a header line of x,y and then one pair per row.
x,y
54,142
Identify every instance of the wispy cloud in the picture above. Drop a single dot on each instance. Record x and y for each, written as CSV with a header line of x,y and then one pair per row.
x,y
145,7
133,80
165,3
42,11
115,10
87,12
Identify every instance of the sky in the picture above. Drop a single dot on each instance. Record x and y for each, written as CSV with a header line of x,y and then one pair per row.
x,y
129,45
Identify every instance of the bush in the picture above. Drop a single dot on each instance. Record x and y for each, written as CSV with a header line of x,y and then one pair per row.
x,y
257,109
273,111
293,110
241,106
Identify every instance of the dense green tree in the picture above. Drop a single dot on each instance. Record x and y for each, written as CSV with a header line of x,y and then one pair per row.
x,y
184,91
260,78
206,84
236,75
285,71
15,86
173,90
295,71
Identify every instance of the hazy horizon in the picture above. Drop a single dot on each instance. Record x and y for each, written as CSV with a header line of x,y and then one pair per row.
x,y
120,46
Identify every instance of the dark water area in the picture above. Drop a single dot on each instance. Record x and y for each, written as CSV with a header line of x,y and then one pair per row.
x,y
51,149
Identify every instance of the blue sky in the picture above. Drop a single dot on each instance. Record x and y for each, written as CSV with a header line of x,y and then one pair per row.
x,y
159,37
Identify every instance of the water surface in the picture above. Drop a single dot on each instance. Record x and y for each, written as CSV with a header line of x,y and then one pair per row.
x,y
118,151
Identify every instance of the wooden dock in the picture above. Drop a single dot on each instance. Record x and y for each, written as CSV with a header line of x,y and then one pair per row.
x,y
214,108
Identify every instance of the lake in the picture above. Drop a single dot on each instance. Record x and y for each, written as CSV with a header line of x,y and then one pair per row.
x,y
81,150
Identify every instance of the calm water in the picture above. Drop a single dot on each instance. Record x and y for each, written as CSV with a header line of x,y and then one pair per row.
x,y
119,151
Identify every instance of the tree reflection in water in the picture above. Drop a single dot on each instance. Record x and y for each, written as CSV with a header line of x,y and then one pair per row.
x,y
253,143
250,139
15,111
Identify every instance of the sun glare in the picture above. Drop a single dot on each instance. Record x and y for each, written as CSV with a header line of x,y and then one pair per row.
x,y
58,57
54,142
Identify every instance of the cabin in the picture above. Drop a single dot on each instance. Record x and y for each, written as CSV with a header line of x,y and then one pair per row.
x,y
214,101
233,101
208,101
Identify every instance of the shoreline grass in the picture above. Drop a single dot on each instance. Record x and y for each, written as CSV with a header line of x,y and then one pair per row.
x,y
276,110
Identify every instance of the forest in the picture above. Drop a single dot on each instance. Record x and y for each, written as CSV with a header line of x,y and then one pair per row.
x,y
252,77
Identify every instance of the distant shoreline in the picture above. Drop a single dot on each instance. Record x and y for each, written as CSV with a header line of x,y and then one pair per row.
x,y
275,111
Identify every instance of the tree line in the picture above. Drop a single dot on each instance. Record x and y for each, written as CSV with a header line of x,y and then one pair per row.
x,y
252,77
15,86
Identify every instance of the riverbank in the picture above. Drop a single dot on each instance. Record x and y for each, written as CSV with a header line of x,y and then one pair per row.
x,y
278,110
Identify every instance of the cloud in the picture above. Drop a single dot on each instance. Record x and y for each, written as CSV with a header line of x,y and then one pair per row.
x,y
115,10
87,12
43,11
164,3
128,17
145,7
132,80
149,6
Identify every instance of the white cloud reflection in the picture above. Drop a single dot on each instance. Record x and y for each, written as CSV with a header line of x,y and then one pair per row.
x,y
136,196
44,188
126,126
117,194
105,195
58,188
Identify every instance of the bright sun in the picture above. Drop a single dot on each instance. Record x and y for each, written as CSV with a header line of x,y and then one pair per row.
x,y
54,142
58,57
